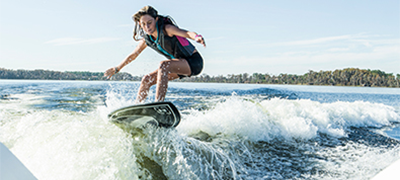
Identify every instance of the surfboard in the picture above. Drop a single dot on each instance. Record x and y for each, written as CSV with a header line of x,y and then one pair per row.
x,y
159,114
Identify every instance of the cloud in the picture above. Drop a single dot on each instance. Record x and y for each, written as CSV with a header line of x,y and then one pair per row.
x,y
316,41
327,42
75,41
338,49
360,52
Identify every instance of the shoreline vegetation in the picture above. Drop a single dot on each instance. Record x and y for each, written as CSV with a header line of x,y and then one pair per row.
x,y
344,77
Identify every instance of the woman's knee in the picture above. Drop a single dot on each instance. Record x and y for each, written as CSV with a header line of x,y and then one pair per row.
x,y
164,66
149,80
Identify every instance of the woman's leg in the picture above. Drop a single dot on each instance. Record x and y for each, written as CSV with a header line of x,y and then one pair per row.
x,y
147,81
169,70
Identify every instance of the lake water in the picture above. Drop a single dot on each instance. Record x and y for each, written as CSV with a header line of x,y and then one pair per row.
x,y
60,130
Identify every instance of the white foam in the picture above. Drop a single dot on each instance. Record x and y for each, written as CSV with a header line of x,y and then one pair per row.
x,y
116,99
54,144
354,161
276,118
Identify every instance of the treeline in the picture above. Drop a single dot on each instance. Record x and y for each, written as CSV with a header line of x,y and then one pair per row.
x,y
345,77
40,74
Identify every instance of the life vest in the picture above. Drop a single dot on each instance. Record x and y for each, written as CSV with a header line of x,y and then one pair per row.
x,y
171,47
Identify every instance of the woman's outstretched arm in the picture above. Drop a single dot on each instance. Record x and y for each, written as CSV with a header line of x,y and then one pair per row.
x,y
173,30
139,48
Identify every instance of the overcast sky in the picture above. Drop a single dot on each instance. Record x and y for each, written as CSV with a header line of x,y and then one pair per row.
x,y
269,36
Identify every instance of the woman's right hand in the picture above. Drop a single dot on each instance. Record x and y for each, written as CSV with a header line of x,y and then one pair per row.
x,y
199,38
110,72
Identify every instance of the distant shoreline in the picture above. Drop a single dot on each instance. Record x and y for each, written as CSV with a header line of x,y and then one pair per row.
x,y
344,77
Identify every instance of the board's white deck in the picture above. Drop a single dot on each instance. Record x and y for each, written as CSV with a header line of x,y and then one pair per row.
x,y
392,172
11,168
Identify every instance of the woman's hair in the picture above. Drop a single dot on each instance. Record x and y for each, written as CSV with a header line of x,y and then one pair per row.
x,y
147,10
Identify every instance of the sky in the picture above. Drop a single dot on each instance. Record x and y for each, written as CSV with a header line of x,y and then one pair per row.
x,y
252,36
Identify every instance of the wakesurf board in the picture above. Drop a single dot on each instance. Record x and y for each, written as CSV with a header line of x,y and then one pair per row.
x,y
159,114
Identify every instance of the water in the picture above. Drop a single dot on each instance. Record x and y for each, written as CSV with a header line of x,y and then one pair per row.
x,y
60,130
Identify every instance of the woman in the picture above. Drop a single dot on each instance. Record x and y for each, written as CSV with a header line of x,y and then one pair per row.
x,y
161,34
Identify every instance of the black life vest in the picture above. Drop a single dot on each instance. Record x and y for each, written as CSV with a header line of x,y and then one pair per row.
x,y
171,47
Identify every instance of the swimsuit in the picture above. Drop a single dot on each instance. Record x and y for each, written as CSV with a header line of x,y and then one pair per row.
x,y
175,47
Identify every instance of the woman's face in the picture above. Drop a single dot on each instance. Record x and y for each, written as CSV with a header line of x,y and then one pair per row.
x,y
148,24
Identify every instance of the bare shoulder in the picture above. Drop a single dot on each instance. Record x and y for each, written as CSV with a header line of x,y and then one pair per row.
x,y
170,27
173,30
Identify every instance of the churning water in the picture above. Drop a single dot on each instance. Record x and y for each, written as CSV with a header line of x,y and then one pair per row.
x,y
60,130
